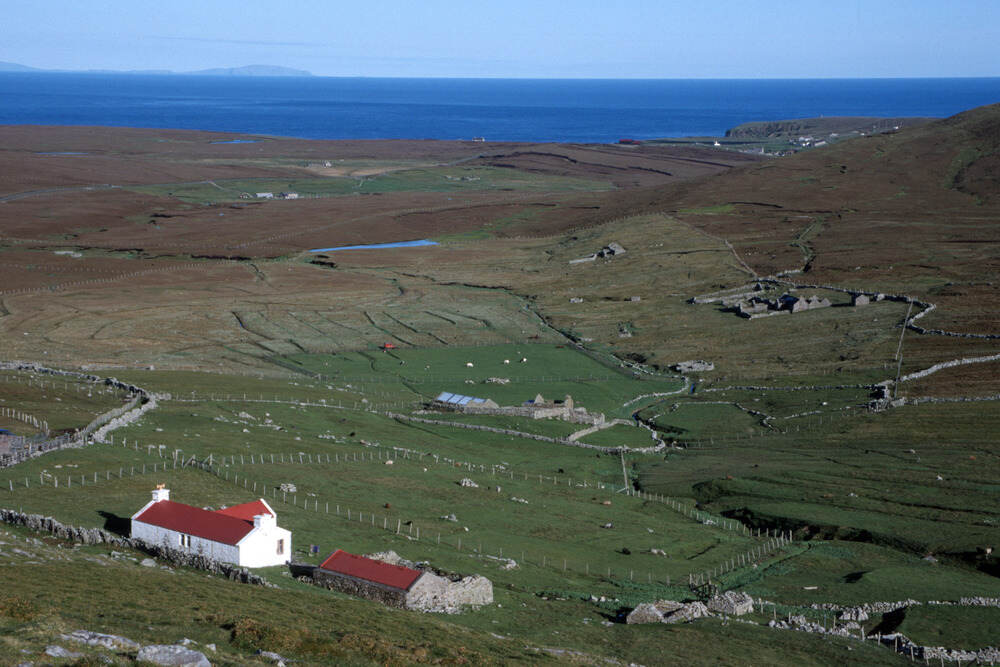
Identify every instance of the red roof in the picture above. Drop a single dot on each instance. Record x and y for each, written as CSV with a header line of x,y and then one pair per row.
x,y
182,518
394,576
247,511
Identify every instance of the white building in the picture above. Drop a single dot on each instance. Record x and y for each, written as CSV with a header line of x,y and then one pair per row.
x,y
246,535
265,195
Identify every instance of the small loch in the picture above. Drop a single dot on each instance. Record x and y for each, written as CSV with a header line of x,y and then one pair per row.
x,y
378,246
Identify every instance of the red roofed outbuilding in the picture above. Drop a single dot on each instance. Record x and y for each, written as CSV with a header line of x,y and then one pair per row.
x,y
246,535
393,585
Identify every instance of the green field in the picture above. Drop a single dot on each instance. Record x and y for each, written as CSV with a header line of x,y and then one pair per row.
x,y
442,179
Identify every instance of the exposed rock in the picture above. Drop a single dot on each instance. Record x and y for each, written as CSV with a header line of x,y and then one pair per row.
x,y
469,483
273,657
113,642
173,656
288,488
148,562
450,517
54,651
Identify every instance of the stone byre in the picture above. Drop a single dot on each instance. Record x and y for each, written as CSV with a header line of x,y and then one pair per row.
x,y
731,602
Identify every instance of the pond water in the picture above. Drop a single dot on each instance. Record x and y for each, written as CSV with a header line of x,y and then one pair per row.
x,y
378,246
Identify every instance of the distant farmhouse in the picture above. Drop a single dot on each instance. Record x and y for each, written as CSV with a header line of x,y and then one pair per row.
x,y
246,535
757,306
613,249
265,195
288,195
537,408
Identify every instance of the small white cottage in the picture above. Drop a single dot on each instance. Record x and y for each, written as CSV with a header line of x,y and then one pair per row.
x,y
246,535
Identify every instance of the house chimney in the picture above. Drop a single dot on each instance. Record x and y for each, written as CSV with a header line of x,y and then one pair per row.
x,y
264,520
161,493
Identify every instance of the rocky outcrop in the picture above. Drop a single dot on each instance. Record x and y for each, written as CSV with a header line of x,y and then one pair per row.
x,y
174,656
112,642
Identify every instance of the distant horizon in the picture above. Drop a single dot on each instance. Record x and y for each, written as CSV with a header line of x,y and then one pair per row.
x,y
311,75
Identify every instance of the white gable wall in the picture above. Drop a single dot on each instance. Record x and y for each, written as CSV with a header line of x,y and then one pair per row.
x,y
259,547
226,553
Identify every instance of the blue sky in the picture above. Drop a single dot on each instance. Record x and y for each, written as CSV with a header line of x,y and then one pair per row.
x,y
515,38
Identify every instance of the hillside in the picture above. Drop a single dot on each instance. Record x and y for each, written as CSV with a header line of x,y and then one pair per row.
x,y
822,461
822,126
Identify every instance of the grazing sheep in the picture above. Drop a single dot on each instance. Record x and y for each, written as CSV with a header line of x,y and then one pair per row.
x,y
468,364
506,361
524,360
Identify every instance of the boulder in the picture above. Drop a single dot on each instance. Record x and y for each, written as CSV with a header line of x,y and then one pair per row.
x,y
469,483
172,656
54,651
272,657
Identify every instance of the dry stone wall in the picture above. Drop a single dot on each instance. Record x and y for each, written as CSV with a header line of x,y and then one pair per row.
x,y
44,524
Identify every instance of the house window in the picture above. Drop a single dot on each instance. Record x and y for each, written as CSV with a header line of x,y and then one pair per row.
x,y
184,540
281,547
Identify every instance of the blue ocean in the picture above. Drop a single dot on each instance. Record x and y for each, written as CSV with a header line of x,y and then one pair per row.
x,y
497,109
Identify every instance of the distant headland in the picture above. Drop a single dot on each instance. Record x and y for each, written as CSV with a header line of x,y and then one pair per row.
x,y
246,70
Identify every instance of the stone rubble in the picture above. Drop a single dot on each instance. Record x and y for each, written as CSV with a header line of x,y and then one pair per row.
x,y
667,611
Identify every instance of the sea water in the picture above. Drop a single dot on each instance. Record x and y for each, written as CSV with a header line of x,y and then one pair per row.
x,y
496,109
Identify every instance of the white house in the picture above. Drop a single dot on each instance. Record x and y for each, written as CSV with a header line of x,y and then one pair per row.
x,y
265,195
246,535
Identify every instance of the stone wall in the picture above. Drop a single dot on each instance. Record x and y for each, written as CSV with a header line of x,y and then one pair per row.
x,y
435,593
391,597
521,434
44,524
141,402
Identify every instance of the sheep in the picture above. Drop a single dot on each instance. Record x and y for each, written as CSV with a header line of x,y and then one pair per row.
x,y
468,364
506,361
524,360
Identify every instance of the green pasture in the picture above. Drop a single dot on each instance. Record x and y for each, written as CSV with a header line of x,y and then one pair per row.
x,y
969,628
551,370
922,479
852,573
442,179
315,626
65,403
